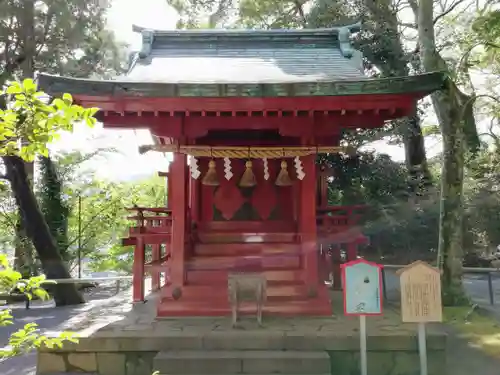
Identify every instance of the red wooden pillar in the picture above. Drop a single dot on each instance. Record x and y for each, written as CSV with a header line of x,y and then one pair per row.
x,y
138,270
307,222
155,274
352,251
322,187
178,206
194,201
335,261
169,185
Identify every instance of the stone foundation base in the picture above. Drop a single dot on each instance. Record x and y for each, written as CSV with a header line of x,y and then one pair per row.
x,y
121,350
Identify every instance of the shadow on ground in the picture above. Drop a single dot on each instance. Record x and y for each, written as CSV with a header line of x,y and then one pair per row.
x,y
105,307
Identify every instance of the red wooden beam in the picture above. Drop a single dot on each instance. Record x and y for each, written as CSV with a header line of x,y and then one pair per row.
x,y
150,209
322,125
199,104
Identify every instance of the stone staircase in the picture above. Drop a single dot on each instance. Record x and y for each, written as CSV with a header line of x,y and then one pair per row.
x,y
233,362
277,255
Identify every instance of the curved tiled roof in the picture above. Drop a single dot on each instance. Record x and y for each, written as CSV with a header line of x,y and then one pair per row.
x,y
246,56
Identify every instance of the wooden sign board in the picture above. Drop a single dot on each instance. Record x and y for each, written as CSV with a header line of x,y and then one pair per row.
x,y
420,293
362,281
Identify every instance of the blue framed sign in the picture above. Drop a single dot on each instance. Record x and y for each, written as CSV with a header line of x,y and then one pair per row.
x,y
362,286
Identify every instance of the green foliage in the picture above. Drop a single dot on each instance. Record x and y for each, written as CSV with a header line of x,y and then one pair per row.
x,y
29,118
52,204
28,337
58,37
486,31
103,215
8,217
108,224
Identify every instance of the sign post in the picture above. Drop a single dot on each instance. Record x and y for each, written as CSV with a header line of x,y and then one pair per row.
x,y
421,301
362,281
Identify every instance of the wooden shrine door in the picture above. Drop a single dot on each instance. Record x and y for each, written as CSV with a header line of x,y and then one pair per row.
x,y
264,202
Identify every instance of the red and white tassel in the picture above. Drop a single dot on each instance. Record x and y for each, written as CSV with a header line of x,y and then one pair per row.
x,y
227,169
266,169
193,166
298,168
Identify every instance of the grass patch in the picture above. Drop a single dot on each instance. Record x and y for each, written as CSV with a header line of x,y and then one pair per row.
x,y
477,326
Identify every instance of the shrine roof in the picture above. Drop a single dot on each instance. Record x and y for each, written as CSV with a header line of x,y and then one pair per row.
x,y
246,56
233,63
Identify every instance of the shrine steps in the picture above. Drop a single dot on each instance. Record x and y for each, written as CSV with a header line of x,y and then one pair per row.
x,y
245,248
219,248
206,294
239,237
276,291
245,263
219,277
291,308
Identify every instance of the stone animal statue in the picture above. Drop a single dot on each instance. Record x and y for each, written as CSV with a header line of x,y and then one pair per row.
x,y
495,263
246,287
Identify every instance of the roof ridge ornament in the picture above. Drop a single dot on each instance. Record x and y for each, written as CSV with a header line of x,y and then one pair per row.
x,y
344,35
147,43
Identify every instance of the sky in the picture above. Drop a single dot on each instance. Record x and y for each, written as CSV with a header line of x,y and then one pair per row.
x,y
127,164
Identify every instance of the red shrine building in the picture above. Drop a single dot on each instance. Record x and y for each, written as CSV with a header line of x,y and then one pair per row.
x,y
245,113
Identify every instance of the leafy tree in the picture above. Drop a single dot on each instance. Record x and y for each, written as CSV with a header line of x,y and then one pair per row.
x,y
52,204
28,337
58,37
104,247
7,219
381,43
29,117
454,111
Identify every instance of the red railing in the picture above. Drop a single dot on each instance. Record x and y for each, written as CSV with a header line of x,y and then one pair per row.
x,y
151,237
339,234
151,220
334,219
336,225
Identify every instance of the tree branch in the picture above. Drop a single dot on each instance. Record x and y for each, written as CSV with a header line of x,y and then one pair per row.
x,y
300,10
48,22
410,25
448,11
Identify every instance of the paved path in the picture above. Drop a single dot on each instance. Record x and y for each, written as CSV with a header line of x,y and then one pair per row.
x,y
104,308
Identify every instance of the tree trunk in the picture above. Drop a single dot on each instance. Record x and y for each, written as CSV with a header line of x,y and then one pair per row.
x,y
395,63
23,247
52,206
38,231
415,155
448,104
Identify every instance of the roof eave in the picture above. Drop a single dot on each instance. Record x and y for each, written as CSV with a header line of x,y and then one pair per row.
x,y
419,84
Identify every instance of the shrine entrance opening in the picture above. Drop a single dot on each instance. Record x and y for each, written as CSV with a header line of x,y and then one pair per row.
x,y
264,202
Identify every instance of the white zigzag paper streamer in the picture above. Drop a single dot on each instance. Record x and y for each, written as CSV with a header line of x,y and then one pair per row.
x,y
298,168
266,169
193,166
227,169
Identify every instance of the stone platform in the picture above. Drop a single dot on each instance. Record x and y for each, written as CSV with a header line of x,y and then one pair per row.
x,y
138,344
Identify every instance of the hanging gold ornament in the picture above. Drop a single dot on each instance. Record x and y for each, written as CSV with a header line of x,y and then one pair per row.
x,y
211,178
248,178
283,178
